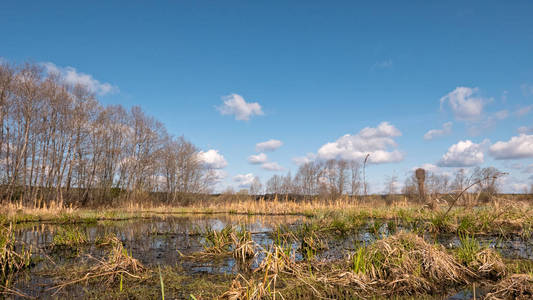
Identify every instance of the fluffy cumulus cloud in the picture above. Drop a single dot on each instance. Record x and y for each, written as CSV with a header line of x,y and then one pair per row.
x,y
71,76
517,147
378,142
269,145
272,166
433,133
213,159
236,105
464,103
463,154
244,180
257,159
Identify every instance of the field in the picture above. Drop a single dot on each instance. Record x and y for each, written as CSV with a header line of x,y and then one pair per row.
x,y
257,249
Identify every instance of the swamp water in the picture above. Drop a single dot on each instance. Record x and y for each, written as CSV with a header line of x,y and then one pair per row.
x,y
170,240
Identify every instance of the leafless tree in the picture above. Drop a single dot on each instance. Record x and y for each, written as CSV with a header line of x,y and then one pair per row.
x,y
57,139
256,188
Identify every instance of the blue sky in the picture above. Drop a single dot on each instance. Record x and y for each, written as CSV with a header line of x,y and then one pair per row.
x,y
318,70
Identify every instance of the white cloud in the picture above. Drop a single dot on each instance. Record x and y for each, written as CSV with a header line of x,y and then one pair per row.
x,y
244,180
522,111
374,141
213,159
300,160
269,145
464,104
272,166
257,159
236,105
519,187
517,147
219,175
71,76
500,115
526,130
463,154
433,133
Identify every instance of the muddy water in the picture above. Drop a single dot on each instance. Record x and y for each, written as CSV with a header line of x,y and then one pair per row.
x,y
159,241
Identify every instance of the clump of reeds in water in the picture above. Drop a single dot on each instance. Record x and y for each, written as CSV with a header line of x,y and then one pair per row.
x,y
69,237
406,264
11,261
117,264
483,261
244,248
119,261
217,241
227,241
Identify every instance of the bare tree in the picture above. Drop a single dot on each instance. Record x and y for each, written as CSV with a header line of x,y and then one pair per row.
x,y
256,187
273,185
56,138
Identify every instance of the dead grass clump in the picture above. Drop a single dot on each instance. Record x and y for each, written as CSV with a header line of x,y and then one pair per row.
x,y
278,259
119,261
311,244
117,264
488,264
244,248
517,286
250,289
11,261
217,241
406,264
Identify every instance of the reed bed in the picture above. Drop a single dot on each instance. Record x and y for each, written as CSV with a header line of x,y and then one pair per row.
x,y
401,264
501,216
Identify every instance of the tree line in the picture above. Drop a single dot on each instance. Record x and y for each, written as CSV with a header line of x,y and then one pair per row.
x,y
336,178
58,142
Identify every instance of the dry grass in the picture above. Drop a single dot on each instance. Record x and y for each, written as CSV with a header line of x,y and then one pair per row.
x,y
406,264
244,248
118,263
503,215
402,264
11,261
517,286
489,264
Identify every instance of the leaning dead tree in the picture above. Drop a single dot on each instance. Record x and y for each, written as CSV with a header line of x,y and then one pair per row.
x,y
491,177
